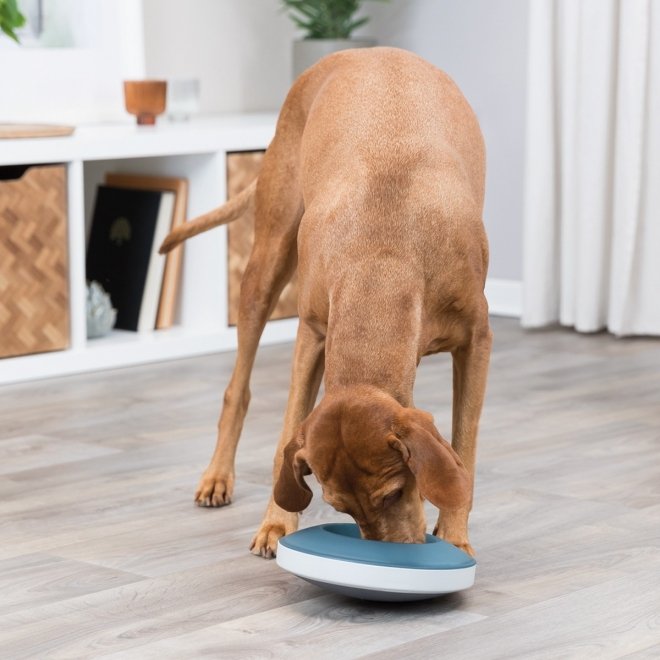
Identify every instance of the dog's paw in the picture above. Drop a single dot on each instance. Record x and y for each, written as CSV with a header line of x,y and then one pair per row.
x,y
276,524
465,547
214,490
460,541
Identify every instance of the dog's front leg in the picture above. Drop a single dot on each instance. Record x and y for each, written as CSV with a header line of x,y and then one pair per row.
x,y
307,371
269,269
278,209
470,373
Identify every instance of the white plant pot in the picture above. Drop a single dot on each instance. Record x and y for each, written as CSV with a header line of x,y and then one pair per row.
x,y
309,51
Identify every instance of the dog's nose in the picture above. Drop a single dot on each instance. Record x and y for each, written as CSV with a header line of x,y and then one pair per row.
x,y
414,536
371,534
405,538
413,539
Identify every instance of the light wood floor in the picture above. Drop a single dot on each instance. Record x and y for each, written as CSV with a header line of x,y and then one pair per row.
x,y
102,552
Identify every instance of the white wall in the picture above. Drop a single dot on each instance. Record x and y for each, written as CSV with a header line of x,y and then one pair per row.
x,y
241,50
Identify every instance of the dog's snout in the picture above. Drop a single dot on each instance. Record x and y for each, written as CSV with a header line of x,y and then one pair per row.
x,y
407,539
392,537
413,539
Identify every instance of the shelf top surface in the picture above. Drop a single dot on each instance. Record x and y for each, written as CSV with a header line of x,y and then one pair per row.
x,y
127,140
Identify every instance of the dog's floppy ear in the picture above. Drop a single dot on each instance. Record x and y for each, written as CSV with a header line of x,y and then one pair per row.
x,y
291,492
441,476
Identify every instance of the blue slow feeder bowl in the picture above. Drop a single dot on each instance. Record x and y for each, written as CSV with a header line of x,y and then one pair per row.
x,y
335,557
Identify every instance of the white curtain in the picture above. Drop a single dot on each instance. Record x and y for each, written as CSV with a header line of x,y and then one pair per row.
x,y
592,198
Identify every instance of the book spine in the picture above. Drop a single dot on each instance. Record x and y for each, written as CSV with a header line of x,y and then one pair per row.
x,y
150,298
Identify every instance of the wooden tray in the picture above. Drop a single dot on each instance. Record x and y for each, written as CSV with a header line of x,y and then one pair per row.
x,y
11,131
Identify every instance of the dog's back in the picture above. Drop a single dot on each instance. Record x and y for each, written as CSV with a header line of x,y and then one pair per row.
x,y
385,115
392,168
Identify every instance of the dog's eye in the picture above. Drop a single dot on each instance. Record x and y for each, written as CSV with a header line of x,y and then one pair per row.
x,y
391,498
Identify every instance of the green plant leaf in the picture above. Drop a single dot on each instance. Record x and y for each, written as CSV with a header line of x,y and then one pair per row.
x,y
357,23
303,8
10,18
9,32
325,19
302,24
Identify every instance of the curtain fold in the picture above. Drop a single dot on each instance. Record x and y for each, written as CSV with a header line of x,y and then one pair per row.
x,y
592,206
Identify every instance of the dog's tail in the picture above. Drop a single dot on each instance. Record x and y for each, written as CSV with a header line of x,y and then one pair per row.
x,y
223,215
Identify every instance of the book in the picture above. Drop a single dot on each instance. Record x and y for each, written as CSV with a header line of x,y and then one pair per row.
x,y
127,229
173,260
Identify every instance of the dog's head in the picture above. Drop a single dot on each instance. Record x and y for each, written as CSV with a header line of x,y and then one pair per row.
x,y
376,461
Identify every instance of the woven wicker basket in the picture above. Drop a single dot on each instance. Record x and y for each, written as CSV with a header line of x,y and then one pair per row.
x,y
34,290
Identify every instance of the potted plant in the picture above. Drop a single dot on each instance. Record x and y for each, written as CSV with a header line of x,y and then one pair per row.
x,y
328,26
10,18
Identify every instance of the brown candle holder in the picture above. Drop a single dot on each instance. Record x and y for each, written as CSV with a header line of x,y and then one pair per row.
x,y
145,99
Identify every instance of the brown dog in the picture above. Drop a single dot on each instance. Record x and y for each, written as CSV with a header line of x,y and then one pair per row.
x,y
374,186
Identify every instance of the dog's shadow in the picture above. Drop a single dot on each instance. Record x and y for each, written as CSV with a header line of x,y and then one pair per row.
x,y
358,611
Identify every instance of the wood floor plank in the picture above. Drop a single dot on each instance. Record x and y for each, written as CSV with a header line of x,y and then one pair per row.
x,y
32,580
325,627
650,653
184,538
542,515
139,613
29,452
589,623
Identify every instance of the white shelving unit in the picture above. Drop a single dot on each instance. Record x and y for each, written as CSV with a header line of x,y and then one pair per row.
x,y
196,150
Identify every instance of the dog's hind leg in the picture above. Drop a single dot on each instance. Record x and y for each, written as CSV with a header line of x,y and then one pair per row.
x,y
272,262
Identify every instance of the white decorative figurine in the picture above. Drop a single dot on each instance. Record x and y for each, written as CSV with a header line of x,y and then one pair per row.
x,y
101,316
